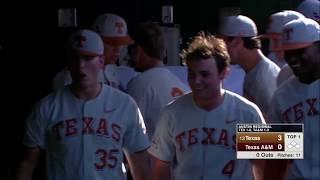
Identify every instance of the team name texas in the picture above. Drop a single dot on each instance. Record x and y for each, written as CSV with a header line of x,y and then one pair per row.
x,y
87,125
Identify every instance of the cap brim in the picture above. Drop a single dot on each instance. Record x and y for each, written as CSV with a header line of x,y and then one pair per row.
x,y
126,40
87,53
268,36
291,46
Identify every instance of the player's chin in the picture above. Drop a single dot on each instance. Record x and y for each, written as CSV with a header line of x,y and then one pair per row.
x,y
201,94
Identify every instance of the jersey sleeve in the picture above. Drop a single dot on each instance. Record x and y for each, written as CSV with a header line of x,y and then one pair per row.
x,y
274,114
136,138
139,95
257,115
144,97
35,128
162,145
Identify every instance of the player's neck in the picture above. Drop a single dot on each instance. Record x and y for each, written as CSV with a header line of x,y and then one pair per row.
x,y
209,104
154,62
250,60
87,92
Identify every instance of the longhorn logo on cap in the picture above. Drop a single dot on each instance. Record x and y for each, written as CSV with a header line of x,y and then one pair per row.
x,y
287,33
119,26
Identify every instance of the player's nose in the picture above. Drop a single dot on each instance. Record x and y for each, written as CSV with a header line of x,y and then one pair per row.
x,y
197,79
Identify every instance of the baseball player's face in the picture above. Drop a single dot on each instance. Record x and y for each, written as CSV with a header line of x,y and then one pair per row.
x,y
232,44
204,79
304,63
112,53
85,69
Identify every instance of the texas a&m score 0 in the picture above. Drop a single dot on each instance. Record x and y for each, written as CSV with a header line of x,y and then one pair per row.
x,y
269,141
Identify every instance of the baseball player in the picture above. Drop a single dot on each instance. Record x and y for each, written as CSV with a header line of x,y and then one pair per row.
x,y
155,86
195,137
273,33
239,33
113,30
297,100
84,127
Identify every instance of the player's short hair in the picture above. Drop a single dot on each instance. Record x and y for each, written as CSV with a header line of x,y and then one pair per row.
x,y
249,42
148,35
205,46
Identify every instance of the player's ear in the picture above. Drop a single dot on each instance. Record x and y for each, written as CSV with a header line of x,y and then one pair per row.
x,y
101,61
224,73
237,41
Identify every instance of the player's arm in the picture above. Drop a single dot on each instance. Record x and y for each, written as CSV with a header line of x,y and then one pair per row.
x,y
160,170
257,169
162,149
27,163
139,163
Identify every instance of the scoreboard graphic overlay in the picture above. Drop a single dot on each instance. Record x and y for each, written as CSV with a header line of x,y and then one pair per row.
x,y
269,141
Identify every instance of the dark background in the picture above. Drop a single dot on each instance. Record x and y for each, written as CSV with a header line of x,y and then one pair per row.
x,y
32,46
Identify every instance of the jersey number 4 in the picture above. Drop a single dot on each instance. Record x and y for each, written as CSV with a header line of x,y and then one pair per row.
x,y
106,158
228,168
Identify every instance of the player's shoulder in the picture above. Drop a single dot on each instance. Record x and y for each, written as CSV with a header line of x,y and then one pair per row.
x,y
148,77
115,97
114,94
179,105
140,78
271,64
268,69
265,71
180,101
287,86
51,100
175,109
238,102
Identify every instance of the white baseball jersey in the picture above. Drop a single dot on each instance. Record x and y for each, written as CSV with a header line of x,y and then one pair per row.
x,y
234,80
284,74
274,58
295,102
152,90
260,83
119,76
85,140
202,144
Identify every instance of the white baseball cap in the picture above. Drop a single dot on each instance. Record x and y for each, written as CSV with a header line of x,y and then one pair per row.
x,y
299,33
276,22
238,26
113,29
310,9
86,42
